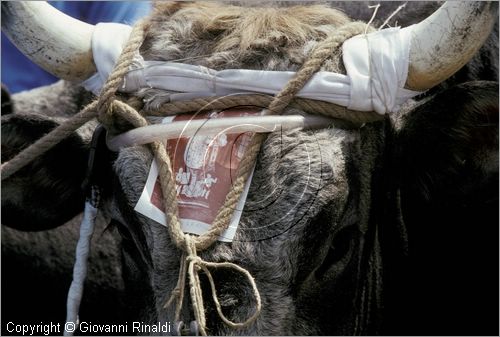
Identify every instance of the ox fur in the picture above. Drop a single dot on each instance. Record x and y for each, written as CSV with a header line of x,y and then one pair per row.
x,y
38,112
340,225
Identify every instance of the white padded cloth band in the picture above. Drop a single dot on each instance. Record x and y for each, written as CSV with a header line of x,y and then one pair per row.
x,y
376,64
108,41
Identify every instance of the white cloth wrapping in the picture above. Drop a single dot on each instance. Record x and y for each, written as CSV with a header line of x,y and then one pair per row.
x,y
376,64
108,41
80,269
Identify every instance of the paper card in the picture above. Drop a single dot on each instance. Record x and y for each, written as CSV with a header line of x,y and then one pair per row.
x,y
204,167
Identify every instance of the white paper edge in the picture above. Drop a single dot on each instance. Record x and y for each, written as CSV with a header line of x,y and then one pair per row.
x,y
146,208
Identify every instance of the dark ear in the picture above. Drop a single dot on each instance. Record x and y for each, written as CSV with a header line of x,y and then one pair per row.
x,y
448,147
447,156
45,193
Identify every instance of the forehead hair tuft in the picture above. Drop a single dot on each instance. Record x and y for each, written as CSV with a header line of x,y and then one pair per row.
x,y
210,27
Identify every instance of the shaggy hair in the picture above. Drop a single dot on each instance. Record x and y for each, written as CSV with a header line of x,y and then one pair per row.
x,y
222,36
326,224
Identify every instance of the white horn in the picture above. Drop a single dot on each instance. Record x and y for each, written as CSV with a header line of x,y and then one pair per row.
x,y
55,41
445,41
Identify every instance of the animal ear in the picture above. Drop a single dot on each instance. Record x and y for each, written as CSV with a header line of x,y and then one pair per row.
x,y
447,157
448,146
46,193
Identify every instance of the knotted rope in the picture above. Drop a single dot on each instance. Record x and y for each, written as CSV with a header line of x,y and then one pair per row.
x,y
304,104
221,222
61,132
192,263
108,108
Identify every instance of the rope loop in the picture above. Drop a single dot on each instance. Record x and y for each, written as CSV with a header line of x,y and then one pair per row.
x,y
115,79
48,141
194,259
110,109
194,265
205,265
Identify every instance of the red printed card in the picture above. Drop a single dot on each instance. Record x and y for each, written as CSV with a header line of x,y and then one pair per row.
x,y
205,166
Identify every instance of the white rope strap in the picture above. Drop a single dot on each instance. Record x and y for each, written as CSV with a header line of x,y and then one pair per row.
x,y
80,268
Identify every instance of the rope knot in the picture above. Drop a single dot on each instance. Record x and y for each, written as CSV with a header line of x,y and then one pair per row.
x,y
191,264
109,107
105,114
194,259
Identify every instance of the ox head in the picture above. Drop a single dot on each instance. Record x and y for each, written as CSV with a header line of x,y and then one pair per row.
x,y
324,215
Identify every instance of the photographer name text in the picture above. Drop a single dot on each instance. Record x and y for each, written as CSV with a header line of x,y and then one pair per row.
x,y
87,327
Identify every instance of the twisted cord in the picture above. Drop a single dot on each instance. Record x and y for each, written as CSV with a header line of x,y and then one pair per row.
x,y
167,183
313,63
223,217
61,132
191,264
108,107
48,141
178,292
221,222
303,104
108,91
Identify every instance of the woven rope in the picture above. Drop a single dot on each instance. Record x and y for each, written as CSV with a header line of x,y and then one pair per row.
x,y
45,143
108,92
221,222
303,104
48,141
109,107
278,104
314,62
107,95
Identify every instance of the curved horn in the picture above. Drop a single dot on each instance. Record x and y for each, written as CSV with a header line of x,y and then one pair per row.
x,y
445,41
55,41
